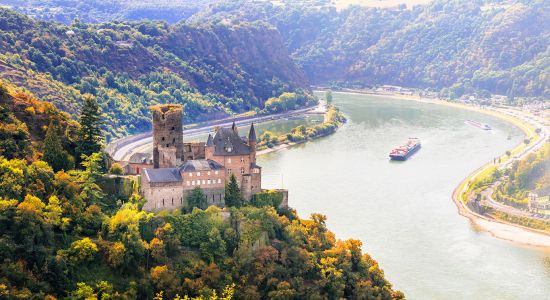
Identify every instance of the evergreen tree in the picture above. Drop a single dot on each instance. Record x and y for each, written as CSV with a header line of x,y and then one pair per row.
x,y
54,154
196,198
90,132
233,195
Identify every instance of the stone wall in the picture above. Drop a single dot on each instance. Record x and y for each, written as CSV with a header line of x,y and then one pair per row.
x,y
162,195
194,150
167,135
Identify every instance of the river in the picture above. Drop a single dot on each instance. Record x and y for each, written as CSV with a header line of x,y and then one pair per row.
x,y
403,211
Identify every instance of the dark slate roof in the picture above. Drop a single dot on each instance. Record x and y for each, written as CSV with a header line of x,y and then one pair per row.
x,y
228,142
253,166
210,141
200,165
163,175
252,133
140,158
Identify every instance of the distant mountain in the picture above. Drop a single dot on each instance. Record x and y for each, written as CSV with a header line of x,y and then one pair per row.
x,y
461,46
214,69
97,11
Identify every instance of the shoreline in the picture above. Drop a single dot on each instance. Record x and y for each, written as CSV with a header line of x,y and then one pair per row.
x,y
497,228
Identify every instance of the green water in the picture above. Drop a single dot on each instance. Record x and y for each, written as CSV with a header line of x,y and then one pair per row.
x,y
402,211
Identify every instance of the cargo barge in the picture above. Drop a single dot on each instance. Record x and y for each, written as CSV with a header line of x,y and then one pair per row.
x,y
405,151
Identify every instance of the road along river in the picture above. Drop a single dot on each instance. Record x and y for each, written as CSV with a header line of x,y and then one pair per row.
x,y
403,211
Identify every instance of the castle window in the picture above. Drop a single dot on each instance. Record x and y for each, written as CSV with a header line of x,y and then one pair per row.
x,y
174,140
190,174
208,173
208,181
193,182
172,201
203,181
198,173
216,172
242,159
229,160
173,128
219,180
162,139
181,200
242,170
163,202
188,183
228,171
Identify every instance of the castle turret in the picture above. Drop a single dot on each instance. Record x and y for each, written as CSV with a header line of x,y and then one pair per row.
x,y
252,144
234,127
209,149
167,135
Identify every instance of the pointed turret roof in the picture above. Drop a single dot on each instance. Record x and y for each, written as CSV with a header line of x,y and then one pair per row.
x,y
210,141
252,133
234,127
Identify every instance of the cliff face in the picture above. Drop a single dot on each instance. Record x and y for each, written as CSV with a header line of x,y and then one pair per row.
x,y
213,70
250,54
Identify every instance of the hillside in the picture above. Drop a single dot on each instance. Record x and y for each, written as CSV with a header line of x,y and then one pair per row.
x,y
24,121
97,11
81,233
496,46
214,70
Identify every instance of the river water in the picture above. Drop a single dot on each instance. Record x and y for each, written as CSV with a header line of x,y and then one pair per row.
x,y
403,211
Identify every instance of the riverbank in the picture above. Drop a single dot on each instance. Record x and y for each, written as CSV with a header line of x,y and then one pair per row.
x,y
122,149
498,228
333,119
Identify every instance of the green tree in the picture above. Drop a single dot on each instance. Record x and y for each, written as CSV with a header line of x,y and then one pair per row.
x,y
213,248
233,195
54,154
90,137
91,174
196,198
83,292
328,97
116,169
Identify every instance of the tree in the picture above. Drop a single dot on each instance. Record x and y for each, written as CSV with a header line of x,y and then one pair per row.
x,y
90,189
196,198
83,250
54,154
83,291
214,247
90,133
328,97
233,195
116,169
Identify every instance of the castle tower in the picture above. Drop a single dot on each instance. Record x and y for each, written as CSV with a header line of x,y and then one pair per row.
x,y
252,144
209,149
167,135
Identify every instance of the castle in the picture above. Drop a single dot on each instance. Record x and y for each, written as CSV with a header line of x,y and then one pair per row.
x,y
180,167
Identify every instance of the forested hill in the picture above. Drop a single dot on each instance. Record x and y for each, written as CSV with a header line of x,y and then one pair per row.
x,y
79,233
214,70
498,46
97,11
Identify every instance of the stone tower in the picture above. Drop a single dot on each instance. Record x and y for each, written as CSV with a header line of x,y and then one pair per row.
x,y
167,135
